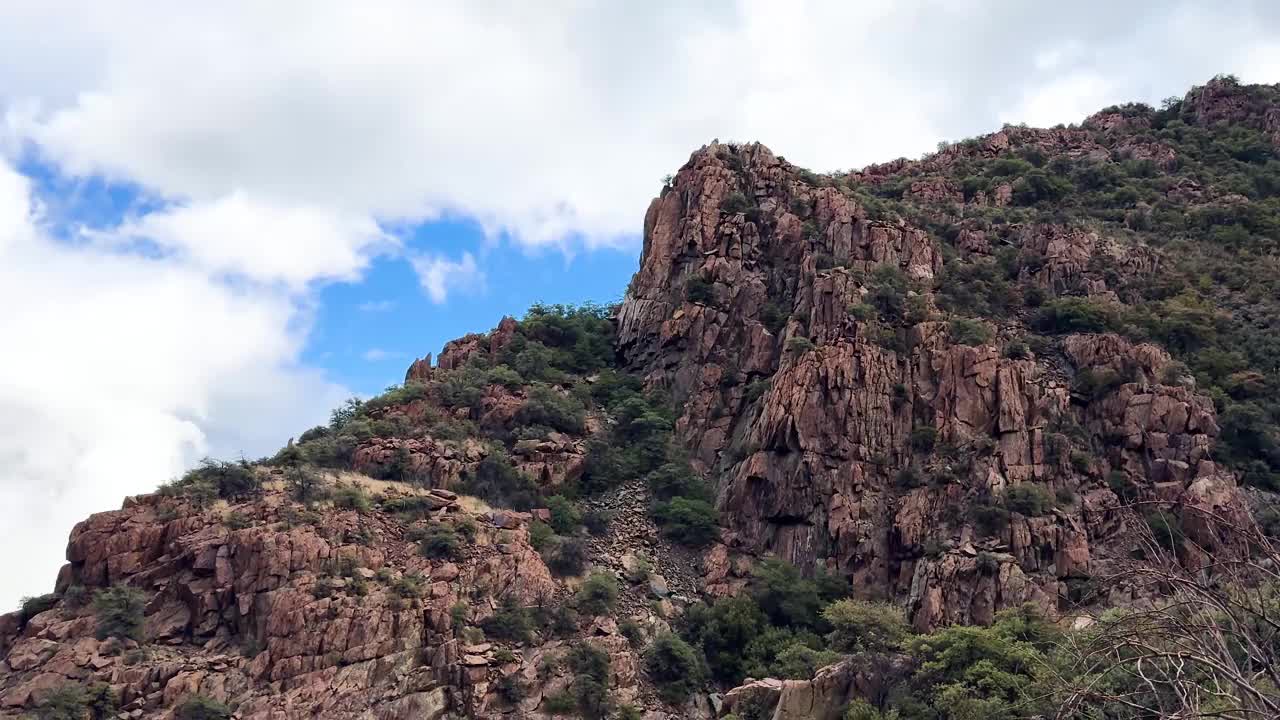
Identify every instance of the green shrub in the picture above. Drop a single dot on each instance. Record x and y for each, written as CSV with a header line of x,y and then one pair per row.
x,y
735,202
498,482
505,376
559,411
1028,499
33,606
590,666
860,709
677,479
909,478
798,661
76,597
236,520
791,600
700,290
540,534
440,542
888,294
923,439
862,312
858,625
1074,315
966,331
774,316
120,613
756,389
597,521
566,557
674,667
1017,350
509,622
200,707
632,631
982,672
565,517
351,497
688,521
989,519
230,480
798,345
78,702
561,704
598,594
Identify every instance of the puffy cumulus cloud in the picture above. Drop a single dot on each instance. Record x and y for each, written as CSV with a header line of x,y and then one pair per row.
x,y
556,121
237,235
438,275
119,370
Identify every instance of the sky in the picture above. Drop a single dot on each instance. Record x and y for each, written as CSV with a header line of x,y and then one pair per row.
x,y
219,220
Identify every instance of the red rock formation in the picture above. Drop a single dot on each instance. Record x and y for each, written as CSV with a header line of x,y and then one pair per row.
x,y
813,470
295,615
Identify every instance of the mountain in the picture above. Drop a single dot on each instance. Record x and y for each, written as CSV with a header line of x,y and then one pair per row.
x,y
896,438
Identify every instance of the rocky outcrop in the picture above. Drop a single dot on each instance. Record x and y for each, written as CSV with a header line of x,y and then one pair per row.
x,y
296,613
833,444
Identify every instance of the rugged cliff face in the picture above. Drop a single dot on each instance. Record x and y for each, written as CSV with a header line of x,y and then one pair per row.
x,y
959,383
821,427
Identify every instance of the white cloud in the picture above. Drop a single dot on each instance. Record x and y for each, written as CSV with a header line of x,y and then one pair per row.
x,y
554,121
439,275
238,235
120,369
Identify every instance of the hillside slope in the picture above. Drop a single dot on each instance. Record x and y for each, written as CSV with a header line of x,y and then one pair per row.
x,y
973,389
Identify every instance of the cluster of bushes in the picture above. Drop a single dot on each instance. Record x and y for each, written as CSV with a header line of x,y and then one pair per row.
x,y
215,479
788,626
744,635
95,701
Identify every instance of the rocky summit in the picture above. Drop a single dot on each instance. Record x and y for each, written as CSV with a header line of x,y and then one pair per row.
x,y
903,442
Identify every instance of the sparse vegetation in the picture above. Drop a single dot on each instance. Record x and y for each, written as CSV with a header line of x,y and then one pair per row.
x,y
120,613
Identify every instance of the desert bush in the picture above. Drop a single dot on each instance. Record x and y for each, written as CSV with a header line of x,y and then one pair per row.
x,y
559,411
565,517
567,556
440,542
1074,315
859,625
598,594
33,606
77,702
351,497
688,521
674,667
201,707
1028,499
798,345
735,202
119,610
509,622
699,290
967,331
